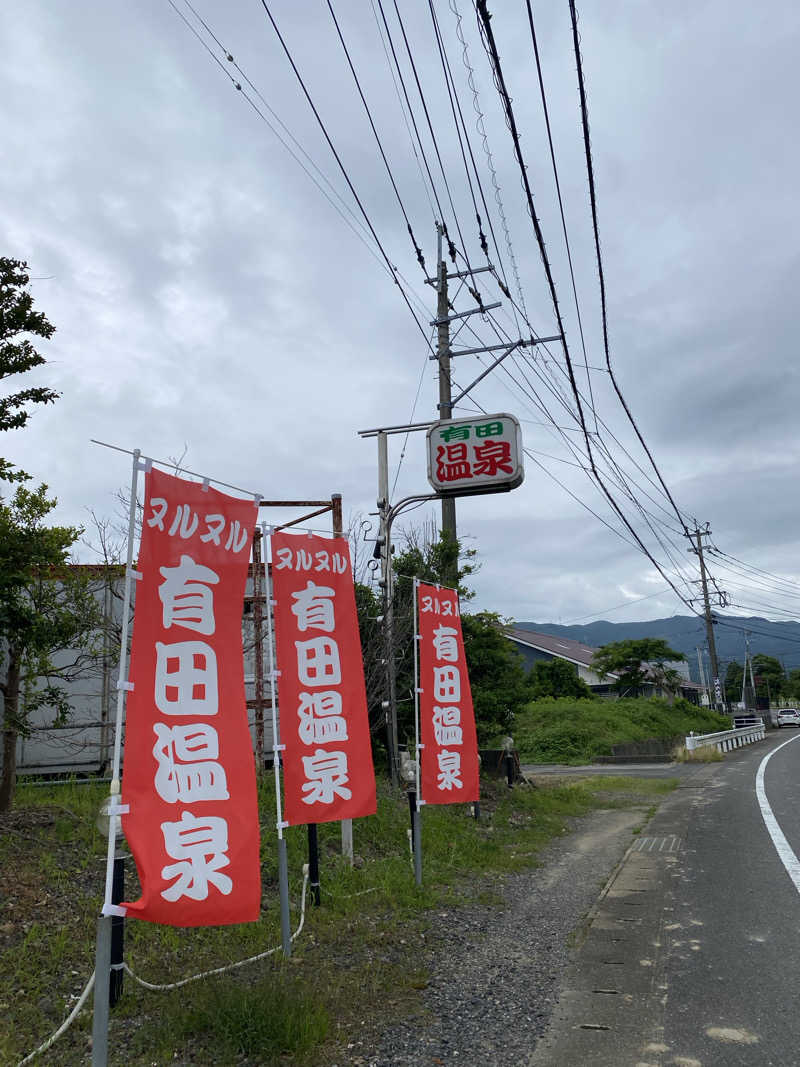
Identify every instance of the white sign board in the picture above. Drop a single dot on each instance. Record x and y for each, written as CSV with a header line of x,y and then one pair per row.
x,y
475,455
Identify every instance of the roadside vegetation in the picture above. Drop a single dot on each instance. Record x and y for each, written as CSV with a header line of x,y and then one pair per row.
x,y
358,964
566,730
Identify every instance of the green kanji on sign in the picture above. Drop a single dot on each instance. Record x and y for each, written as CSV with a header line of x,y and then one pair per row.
x,y
489,429
455,433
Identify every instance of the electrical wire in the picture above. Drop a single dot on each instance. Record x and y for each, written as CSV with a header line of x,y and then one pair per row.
x,y
560,202
417,249
595,228
340,164
484,20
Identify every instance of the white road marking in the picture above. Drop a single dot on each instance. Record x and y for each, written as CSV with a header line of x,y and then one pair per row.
x,y
782,846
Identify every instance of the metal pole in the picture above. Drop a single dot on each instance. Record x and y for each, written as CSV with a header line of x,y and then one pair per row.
x,y
102,970
313,863
416,822
338,531
102,966
258,651
117,932
283,865
389,704
445,394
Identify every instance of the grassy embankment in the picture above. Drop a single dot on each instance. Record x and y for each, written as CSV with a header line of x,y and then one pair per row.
x,y
359,963
577,731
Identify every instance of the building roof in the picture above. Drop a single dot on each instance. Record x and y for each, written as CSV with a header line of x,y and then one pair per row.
x,y
562,647
573,651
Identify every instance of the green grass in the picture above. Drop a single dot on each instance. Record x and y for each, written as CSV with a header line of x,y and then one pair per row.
x,y
577,731
357,957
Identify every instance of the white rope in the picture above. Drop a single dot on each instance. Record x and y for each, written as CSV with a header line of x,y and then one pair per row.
x,y
151,985
228,966
64,1026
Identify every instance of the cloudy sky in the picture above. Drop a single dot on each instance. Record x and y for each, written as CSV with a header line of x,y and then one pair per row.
x,y
215,296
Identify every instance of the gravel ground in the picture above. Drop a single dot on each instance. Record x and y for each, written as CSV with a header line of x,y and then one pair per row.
x,y
495,972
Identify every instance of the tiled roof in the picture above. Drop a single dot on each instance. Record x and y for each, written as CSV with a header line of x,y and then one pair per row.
x,y
562,647
565,648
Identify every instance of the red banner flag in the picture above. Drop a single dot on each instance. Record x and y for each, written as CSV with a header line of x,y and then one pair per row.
x,y
327,771
189,774
449,769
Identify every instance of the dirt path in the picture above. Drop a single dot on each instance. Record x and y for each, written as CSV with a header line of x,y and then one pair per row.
x,y
495,972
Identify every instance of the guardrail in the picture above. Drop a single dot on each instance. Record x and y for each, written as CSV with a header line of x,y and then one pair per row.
x,y
726,740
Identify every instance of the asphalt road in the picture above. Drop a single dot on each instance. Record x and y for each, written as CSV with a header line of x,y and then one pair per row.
x,y
692,955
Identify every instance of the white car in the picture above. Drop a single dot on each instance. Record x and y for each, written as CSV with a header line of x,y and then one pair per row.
x,y
788,717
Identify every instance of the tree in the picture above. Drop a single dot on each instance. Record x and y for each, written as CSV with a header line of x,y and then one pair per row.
x,y
556,678
768,676
17,354
734,675
496,674
45,608
638,662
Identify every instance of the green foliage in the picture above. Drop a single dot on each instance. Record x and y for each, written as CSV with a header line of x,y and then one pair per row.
x,y
576,731
733,681
768,676
17,354
360,948
496,674
435,561
268,1019
556,678
45,608
635,662
792,685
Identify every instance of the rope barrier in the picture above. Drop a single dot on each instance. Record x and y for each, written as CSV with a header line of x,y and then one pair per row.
x,y
64,1026
170,985
158,986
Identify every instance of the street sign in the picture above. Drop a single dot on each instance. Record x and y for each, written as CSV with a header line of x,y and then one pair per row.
x,y
476,455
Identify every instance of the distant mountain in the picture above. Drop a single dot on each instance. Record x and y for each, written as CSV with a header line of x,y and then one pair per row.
x,y
686,632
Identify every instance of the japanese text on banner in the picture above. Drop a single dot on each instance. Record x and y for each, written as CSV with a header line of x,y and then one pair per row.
x,y
189,773
449,767
328,771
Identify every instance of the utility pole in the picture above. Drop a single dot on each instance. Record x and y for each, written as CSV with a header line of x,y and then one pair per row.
x,y
712,647
445,386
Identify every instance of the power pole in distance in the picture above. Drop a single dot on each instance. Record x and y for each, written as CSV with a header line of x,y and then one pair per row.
x,y
712,647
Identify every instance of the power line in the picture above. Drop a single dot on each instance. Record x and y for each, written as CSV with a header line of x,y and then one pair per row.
x,y
488,37
341,166
560,201
432,133
595,227
417,249
481,128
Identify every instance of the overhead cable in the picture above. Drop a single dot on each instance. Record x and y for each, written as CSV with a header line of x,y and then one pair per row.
x,y
595,227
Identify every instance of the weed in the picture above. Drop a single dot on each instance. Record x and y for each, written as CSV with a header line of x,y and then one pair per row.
x,y
266,1019
361,947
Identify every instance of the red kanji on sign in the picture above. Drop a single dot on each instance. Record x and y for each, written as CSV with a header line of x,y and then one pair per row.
x,y
492,457
451,463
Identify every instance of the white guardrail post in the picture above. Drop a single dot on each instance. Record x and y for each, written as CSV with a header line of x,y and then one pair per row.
x,y
726,740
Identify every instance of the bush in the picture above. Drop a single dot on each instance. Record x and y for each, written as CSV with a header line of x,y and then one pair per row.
x,y
577,731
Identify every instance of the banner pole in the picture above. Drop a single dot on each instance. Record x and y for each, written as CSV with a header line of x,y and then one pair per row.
x,y
338,531
417,828
102,967
283,863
